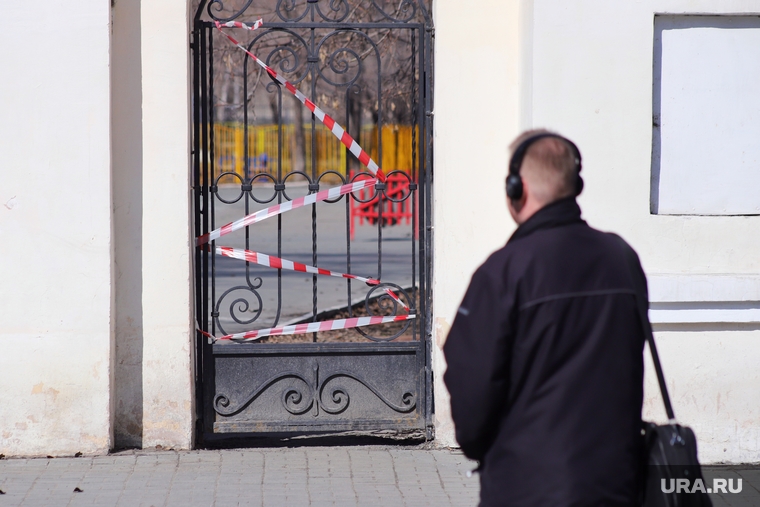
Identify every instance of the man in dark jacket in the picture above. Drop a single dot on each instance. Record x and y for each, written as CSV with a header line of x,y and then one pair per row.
x,y
545,356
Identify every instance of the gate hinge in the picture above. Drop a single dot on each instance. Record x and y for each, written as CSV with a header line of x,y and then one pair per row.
x,y
429,114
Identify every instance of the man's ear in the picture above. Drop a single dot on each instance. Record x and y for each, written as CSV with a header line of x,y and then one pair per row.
x,y
515,205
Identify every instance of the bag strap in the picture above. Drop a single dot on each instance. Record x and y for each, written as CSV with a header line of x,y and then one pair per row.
x,y
646,326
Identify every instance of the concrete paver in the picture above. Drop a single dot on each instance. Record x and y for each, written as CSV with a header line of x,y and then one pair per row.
x,y
278,477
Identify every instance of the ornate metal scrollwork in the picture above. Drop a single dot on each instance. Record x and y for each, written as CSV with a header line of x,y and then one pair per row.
x,y
339,395
341,59
387,306
333,11
286,10
338,399
217,6
293,399
351,51
404,12
241,304
215,187
296,401
340,11
410,185
289,62
299,399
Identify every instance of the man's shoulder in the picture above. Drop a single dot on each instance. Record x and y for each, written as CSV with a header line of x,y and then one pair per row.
x,y
498,258
492,270
616,241
552,243
580,232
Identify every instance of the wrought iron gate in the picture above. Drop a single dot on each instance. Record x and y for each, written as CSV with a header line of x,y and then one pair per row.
x,y
368,64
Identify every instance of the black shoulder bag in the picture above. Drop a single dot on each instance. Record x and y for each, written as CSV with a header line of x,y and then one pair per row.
x,y
672,476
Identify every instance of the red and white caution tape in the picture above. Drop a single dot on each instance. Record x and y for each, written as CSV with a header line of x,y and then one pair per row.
x,y
331,124
314,327
330,193
396,298
237,24
278,263
204,333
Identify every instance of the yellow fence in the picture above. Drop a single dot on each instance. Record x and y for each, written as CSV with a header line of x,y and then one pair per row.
x,y
229,149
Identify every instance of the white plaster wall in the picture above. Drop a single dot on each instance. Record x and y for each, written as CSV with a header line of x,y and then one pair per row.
x,y
476,116
55,225
584,68
168,411
713,381
592,80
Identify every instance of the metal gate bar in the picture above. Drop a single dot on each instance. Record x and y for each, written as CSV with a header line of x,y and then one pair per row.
x,y
379,383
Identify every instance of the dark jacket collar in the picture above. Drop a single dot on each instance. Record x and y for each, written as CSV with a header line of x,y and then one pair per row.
x,y
563,212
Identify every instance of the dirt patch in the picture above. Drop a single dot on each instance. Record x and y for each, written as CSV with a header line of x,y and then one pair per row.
x,y
380,306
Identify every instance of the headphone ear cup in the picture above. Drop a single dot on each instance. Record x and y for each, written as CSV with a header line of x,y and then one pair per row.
x,y
578,185
514,187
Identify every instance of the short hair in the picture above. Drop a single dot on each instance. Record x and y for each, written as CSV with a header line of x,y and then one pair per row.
x,y
548,165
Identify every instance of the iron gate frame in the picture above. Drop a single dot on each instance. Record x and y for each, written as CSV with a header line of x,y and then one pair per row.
x,y
210,403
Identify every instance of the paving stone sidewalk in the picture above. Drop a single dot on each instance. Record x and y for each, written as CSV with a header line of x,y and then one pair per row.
x,y
277,477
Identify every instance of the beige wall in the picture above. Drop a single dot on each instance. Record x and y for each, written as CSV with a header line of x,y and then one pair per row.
x,y
585,69
168,411
476,116
153,389
85,353
713,381
55,225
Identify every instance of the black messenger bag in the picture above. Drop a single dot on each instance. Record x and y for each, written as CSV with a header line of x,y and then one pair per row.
x,y
672,476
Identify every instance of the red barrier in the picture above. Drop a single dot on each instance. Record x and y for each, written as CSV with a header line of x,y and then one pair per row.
x,y
393,213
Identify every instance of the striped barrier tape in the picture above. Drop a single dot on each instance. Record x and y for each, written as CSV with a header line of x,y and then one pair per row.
x,y
278,263
314,327
204,333
299,202
238,24
330,193
338,131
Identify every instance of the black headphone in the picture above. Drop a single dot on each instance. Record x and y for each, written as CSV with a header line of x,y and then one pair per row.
x,y
514,181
